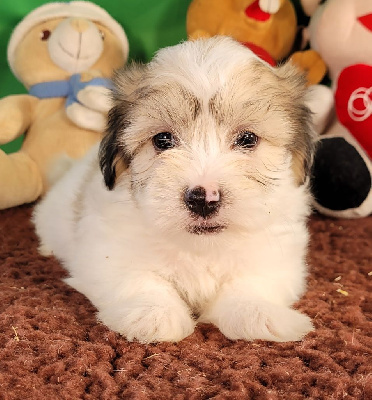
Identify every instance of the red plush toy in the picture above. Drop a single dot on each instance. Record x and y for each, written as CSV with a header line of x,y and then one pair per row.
x,y
354,102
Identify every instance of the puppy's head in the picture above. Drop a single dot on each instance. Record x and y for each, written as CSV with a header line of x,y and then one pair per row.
x,y
211,137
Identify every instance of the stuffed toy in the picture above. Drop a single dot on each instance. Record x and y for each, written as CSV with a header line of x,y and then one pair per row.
x,y
341,32
267,27
64,54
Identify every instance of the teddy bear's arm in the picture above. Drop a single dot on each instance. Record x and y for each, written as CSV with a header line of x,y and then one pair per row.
x,y
16,114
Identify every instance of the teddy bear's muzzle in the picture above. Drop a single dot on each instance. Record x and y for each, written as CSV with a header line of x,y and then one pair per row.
x,y
75,45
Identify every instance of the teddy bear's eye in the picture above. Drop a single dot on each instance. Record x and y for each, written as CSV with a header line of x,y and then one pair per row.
x,y
246,140
164,141
44,35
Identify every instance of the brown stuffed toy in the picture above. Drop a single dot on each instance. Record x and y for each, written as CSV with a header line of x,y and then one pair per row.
x,y
267,27
64,54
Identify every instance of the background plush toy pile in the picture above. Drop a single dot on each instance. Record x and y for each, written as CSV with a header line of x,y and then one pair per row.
x,y
338,40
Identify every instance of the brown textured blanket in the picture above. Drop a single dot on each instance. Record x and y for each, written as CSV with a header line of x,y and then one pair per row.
x,y
51,346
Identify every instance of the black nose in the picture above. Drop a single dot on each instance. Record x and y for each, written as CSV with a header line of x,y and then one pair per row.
x,y
196,201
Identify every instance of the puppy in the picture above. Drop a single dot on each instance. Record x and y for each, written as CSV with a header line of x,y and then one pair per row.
x,y
194,207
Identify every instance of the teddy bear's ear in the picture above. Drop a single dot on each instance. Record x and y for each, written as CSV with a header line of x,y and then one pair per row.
x,y
113,156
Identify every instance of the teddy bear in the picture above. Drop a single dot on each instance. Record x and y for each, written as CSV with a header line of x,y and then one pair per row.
x,y
341,32
64,53
267,27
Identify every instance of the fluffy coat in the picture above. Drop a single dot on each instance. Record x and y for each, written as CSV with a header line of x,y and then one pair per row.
x,y
128,234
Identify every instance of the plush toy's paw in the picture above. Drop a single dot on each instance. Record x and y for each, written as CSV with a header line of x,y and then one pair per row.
x,y
20,179
86,118
11,120
341,180
149,323
96,98
262,320
312,64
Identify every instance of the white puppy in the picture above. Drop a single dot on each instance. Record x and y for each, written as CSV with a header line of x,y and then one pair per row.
x,y
200,213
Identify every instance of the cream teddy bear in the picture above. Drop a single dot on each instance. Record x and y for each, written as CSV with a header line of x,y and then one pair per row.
x,y
64,54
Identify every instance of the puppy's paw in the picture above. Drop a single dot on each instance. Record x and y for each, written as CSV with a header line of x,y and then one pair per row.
x,y
150,323
262,321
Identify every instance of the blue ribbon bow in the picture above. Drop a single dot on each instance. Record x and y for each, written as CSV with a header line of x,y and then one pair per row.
x,y
67,88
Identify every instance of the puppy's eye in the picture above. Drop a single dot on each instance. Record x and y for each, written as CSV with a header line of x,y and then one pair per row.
x,y
246,140
164,141
44,35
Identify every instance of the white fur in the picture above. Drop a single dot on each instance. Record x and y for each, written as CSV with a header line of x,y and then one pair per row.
x,y
128,250
270,6
75,45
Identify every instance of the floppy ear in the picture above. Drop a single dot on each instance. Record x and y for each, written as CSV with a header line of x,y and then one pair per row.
x,y
113,156
302,145
302,161
111,153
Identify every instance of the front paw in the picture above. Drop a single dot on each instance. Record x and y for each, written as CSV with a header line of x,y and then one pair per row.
x,y
261,320
149,323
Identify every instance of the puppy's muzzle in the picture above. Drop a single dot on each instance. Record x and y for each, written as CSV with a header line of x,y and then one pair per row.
x,y
202,202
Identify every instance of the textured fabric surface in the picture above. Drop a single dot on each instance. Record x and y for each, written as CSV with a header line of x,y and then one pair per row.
x,y
51,346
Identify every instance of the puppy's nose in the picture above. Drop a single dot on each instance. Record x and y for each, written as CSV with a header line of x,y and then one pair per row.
x,y
202,202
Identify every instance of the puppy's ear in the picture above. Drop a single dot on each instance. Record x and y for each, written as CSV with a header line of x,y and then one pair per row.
x,y
112,154
114,159
302,143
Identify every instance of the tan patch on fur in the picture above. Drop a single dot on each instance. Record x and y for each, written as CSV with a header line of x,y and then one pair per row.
x,y
120,167
274,109
298,168
304,141
287,88
127,80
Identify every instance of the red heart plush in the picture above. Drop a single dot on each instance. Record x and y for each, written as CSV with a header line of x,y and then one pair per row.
x,y
353,99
